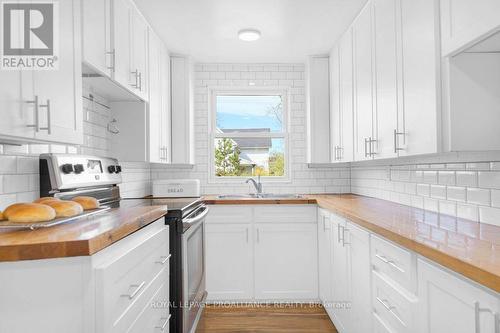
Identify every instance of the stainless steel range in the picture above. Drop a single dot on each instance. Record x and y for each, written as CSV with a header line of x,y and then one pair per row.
x,y
66,176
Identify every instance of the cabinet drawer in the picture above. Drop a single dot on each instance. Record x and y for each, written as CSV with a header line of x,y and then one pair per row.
x,y
286,213
391,306
394,262
123,281
229,214
150,312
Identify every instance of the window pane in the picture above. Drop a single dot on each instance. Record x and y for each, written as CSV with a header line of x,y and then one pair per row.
x,y
249,157
249,114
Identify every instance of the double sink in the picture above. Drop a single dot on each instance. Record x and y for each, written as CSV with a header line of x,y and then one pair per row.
x,y
259,196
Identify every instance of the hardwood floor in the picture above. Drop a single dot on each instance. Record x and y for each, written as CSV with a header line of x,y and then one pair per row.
x,y
265,318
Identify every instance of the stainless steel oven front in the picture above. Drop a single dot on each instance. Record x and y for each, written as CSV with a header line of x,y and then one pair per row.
x,y
193,265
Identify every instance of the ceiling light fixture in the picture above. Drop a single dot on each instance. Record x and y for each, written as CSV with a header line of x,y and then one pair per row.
x,y
249,35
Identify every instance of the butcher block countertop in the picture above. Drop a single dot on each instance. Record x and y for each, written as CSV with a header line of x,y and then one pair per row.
x,y
466,247
78,238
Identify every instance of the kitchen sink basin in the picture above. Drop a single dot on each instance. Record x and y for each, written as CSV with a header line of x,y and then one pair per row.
x,y
259,196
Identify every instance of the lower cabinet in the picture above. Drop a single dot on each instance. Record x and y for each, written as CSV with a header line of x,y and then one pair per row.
x,y
251,256
452,304
229,258
325,257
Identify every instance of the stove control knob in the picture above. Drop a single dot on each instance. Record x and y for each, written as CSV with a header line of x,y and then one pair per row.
x,y
118,168
111,169
67,168
78,168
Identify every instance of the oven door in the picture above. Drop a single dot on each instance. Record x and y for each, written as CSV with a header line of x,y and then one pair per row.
x,y
193,266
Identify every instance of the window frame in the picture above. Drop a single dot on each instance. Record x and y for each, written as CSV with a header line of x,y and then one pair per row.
x,y
212,134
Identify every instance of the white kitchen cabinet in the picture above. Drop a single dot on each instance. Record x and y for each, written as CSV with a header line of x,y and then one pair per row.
x,y
96,35
346,149
335,108
449,303
421,78
122,43
139,54
159,127
318,110
270,258
229,273
181,87
341,313
464,22
59,91
325,259
387,77
286,261
364,139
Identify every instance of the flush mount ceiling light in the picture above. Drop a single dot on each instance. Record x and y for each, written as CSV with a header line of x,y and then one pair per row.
x,y
249,35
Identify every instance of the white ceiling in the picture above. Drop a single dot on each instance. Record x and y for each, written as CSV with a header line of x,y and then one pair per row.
x,y
291,29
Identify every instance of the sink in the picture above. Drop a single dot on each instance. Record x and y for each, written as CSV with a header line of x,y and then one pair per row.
x,y
259,196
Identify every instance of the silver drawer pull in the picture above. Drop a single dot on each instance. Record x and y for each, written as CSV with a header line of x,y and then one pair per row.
x,y
164,260
164,325
389,262
136,291
389,308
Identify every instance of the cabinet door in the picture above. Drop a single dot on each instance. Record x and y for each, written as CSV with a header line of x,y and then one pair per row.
x,y
17,107
166,116
358,253
451,304
139,46
96,26
324,256
363,87
155,105
286,261
340,272
346,97
463,22
335,113
421,81
229,262
121,40
386,77
60,91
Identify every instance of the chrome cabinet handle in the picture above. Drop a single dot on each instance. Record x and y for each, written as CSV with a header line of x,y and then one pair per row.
x,y
164,260
113,60
385,303
258,235
162,326
136,74
247,234
396,141
339,239
477,320
344,243
49,126
371,141
366,149
36,125
136,291
341,153
140,81
389,262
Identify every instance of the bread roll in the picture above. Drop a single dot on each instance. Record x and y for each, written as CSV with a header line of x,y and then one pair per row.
x,y
65,208
41,200
1,216
29,212
87,203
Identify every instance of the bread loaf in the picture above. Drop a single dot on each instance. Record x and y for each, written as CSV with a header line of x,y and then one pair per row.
x,y
41,200
87,203
1,216
64,208
29,212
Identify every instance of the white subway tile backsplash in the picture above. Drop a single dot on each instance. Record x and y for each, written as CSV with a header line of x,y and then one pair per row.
x,y
489,179
8,164
478,196
489,215
446,177
423,190
448,208
438,191
456,193
469,212
430,177
466,178
495,198
478,166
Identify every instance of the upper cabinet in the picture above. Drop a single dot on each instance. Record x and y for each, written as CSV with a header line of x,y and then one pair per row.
x,y
181,88
46,105
318,110
385,82
463,22
115,43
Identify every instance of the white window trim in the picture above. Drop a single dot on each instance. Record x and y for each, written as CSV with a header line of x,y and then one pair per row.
x,y
284,92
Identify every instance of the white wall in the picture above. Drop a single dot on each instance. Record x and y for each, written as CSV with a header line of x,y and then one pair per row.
x,y
333,179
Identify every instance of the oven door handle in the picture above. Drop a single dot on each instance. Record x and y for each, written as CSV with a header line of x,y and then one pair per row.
x,y
198,217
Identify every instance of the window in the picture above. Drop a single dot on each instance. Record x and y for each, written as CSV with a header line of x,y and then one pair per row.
x,y
249,134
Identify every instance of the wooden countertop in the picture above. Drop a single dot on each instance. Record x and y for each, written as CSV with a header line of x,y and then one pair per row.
x,y
466,247
214,200
80,238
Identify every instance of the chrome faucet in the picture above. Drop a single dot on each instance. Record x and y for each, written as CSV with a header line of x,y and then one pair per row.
x,y
257,184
